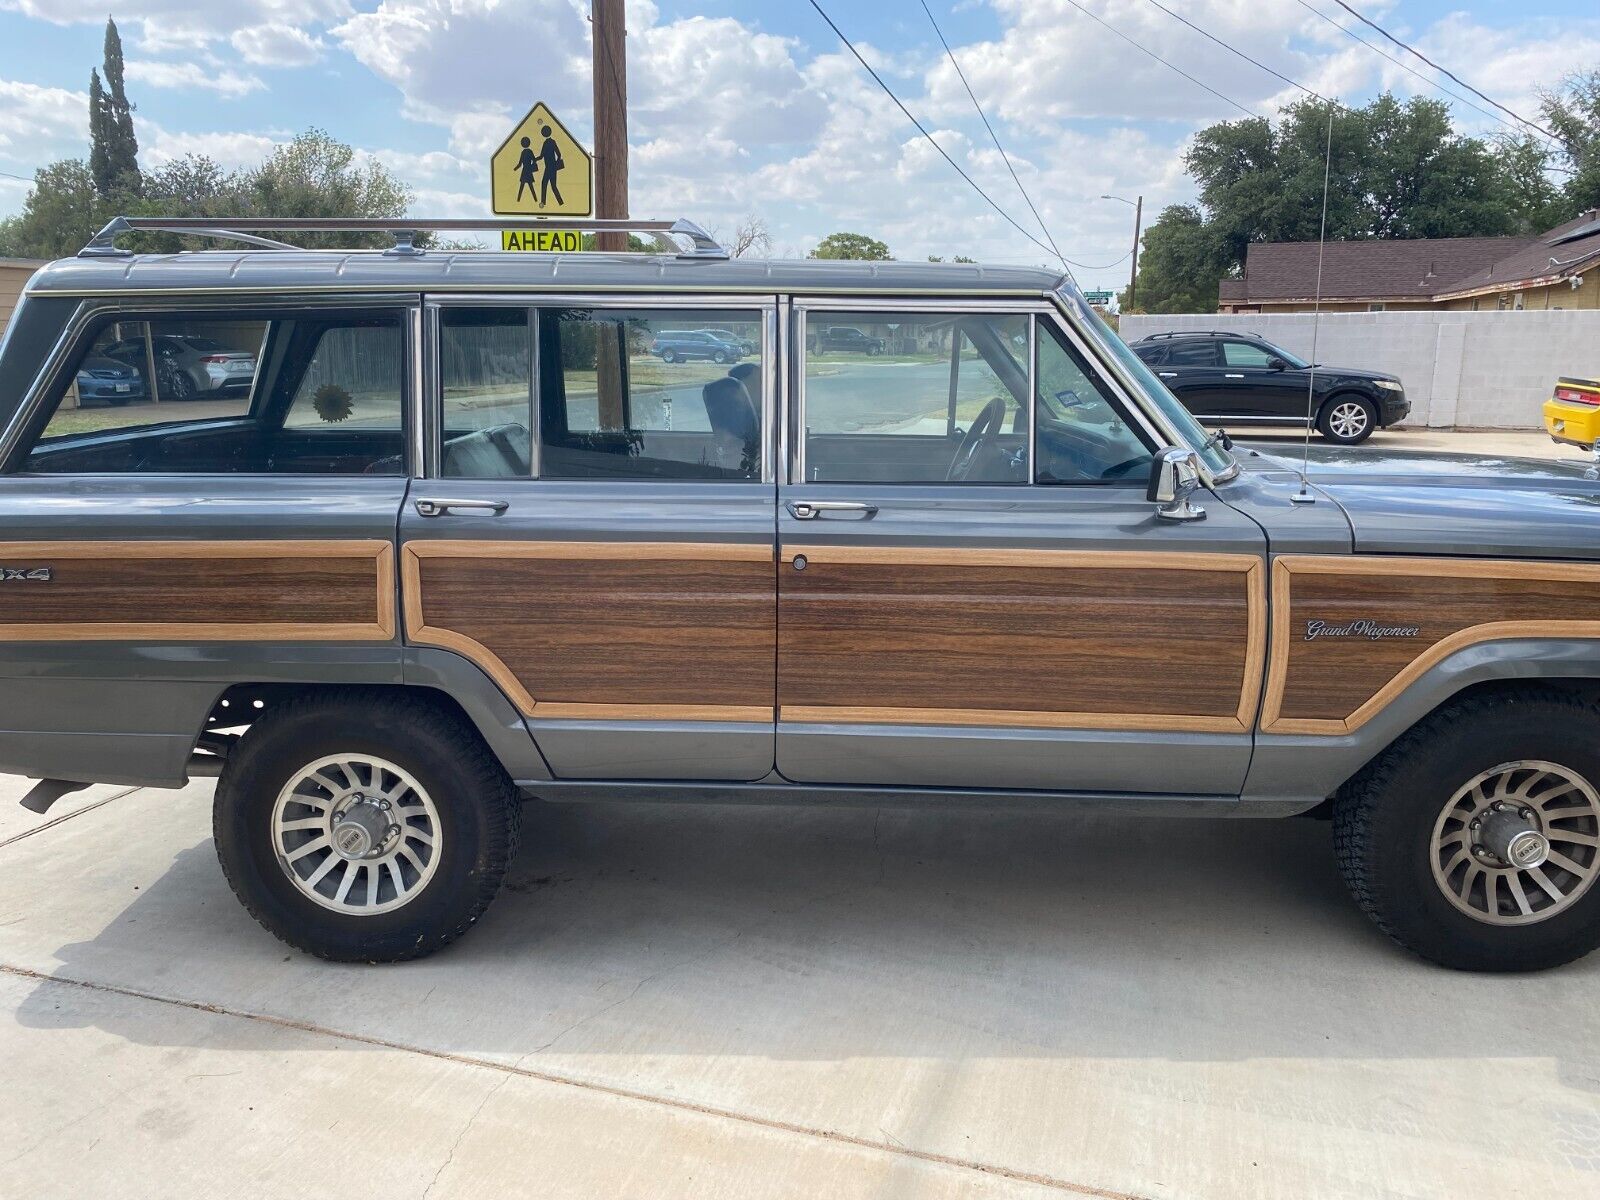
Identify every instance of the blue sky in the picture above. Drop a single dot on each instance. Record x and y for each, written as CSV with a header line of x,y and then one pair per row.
x,y
752,109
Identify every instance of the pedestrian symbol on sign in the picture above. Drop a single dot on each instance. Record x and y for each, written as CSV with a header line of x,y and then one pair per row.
x,y
541,170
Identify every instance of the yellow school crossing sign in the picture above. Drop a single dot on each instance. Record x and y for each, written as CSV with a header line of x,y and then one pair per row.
x,y
541,171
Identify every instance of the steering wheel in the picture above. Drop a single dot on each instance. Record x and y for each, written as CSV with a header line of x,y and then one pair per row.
x,y
986,426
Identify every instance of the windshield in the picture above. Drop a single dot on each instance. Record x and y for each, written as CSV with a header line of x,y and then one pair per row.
x,y
1218,461
1294,360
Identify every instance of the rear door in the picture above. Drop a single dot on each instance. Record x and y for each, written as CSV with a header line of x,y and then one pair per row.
x,y
595,529
973,590
1193,372
179,542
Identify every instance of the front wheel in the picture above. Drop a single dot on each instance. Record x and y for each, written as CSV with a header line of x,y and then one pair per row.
x,y
719,357
364,828
669,356
1474,841
1347,420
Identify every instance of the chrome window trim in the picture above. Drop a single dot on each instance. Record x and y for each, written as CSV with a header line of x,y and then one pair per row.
x,y
95,305
784,392
1033,399
423,328
1128,396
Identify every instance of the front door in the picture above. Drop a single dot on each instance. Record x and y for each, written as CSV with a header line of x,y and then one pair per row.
x,y
1256,388
596,528
974,592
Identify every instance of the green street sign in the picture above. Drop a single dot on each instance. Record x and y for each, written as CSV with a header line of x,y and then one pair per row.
x,y
1099,298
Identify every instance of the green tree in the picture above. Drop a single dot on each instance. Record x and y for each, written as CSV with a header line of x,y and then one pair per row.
x,y
1395,170
1572,111
113,145
851,245
63,211
1181,263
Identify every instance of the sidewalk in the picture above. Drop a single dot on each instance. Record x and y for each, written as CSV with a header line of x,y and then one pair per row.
x,y
764,1002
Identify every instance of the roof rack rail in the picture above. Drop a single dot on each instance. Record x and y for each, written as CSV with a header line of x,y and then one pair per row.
x,y
1156,337
404,229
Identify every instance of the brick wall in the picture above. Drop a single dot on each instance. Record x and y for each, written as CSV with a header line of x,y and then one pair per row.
x,y
1468,370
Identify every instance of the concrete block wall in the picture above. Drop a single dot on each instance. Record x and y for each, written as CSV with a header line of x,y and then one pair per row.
x,y
1466,370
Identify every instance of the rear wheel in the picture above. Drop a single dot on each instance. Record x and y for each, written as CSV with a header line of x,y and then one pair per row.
x,y
1347,420
669,356
370,829
1475,840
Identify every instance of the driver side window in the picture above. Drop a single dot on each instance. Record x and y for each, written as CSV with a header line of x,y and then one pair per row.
x,y
916,397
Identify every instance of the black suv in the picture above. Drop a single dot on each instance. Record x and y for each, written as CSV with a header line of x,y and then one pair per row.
x,y
846,338
1243,379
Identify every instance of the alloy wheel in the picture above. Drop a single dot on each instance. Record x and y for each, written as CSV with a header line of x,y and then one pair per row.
x,y
356,834
1518,843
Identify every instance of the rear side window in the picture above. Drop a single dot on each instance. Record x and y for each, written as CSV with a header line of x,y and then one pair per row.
x,y
1192,354
1153,353
286,393
642,394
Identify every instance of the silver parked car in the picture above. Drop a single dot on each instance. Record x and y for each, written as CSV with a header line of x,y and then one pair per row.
x,y
461,550
188,365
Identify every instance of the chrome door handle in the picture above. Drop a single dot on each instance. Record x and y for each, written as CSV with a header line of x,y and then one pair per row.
x,y
439,508
810,510
1168,374
1226,376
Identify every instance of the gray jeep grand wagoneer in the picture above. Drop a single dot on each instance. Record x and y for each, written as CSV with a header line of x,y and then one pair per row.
x,y
461,539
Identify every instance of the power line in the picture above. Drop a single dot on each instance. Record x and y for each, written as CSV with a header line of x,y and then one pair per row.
x,y
922,129
1095,17
1232,49
1004,157
1447,73
1433,83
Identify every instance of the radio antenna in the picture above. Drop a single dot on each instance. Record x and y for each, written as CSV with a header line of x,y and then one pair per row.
x,y
1304,495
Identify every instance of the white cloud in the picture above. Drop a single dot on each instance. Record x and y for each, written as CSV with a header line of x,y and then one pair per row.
x,y
277,46
229,150
224,81
40,124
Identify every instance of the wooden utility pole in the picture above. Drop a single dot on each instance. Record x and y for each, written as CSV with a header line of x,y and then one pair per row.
x,y
609,31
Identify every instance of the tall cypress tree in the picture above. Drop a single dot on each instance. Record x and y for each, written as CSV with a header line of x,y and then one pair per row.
x,y
99,138
114,150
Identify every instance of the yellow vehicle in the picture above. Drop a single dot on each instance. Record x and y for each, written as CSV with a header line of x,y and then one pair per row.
x,y
1572,414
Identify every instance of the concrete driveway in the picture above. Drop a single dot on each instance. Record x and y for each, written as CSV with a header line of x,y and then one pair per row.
x,y
764,1002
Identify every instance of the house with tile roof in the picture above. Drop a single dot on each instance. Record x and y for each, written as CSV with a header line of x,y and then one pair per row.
x,y
1556,269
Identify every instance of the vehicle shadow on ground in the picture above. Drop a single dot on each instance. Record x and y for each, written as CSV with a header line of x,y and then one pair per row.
x,y
827,934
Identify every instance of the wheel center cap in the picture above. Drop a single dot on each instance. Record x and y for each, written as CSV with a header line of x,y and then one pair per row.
x,y
360,829
1515,840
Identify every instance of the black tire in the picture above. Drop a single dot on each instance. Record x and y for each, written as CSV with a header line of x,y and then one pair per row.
x,y
669,356
719,357
1384,821
479,820
1334,421
872,352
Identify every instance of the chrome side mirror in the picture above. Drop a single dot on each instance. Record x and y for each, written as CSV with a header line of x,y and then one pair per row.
x,y
1174,477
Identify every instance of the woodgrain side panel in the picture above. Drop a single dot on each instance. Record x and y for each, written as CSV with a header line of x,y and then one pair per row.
x,y
1052,639
1334,685
239,590
604,631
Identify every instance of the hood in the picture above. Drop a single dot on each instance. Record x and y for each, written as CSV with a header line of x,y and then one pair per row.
x,y
1353,373
1413,502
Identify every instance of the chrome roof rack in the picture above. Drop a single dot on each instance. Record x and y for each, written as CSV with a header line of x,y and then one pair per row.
x,y
404,229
